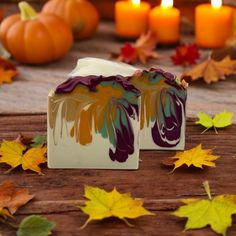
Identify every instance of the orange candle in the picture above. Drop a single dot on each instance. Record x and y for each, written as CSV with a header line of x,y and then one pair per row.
x,y
164,21
131,18
213,24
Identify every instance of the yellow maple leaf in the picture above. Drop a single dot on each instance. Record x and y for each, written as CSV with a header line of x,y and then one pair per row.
x,y
102,204
13,154
215,212
195,156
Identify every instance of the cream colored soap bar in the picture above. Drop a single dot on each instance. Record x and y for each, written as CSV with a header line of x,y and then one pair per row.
x,y
163,99
93,120
95,117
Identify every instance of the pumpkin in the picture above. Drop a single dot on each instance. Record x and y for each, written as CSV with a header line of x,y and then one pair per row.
x,y
81,15
35,38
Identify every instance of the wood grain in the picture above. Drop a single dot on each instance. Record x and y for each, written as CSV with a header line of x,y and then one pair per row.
x,y
58,191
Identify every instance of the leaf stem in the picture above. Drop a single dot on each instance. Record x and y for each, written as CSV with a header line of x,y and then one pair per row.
x,y
215,130
9,170
207,189
127,222
5,221
205,130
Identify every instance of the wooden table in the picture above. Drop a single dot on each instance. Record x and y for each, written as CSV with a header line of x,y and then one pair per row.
x,y
59,191
23,110
28,94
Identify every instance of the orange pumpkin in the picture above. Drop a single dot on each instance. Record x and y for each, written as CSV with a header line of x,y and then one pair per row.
x,y
35,38
81,15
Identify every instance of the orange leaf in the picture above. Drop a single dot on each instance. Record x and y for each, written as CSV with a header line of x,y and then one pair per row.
x,y
7,71
12,197
145,46
143,50
212,71
15,154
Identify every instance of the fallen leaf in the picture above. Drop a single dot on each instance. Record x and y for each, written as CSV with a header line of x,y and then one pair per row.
x,y
145,46
186,54
15,154
216,212
142,50
212,71
4,213
39,141
128,54
35,225
12,197
196,156
7,71
102,204
220,120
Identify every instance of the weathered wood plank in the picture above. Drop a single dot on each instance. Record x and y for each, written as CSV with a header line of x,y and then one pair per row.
x,y
58,191
163,224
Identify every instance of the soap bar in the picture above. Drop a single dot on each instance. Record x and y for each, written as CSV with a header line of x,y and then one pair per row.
x,y
94,121
163,99
107,111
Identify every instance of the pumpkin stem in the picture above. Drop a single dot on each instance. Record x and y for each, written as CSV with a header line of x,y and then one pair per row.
x,y
26,11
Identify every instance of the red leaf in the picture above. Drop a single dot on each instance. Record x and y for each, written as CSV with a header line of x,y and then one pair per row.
x,y
128,53
142,50
7,71
186,55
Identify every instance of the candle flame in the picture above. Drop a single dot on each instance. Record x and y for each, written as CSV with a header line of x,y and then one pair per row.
x,y
216,3
167,3
136,3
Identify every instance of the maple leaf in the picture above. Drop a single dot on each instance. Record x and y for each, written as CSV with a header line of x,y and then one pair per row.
x,y
7,71
15,154
128,54
215,212
195,156
220,120
12,197
145,46
186,54
35,225
141,51
102,204
212,71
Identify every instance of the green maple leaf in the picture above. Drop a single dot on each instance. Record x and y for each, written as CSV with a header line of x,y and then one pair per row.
x,y
39,140
220,120
215,212
35,226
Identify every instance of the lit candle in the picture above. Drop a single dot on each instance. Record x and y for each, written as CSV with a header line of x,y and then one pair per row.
x,y
131,18
164,21
213,24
